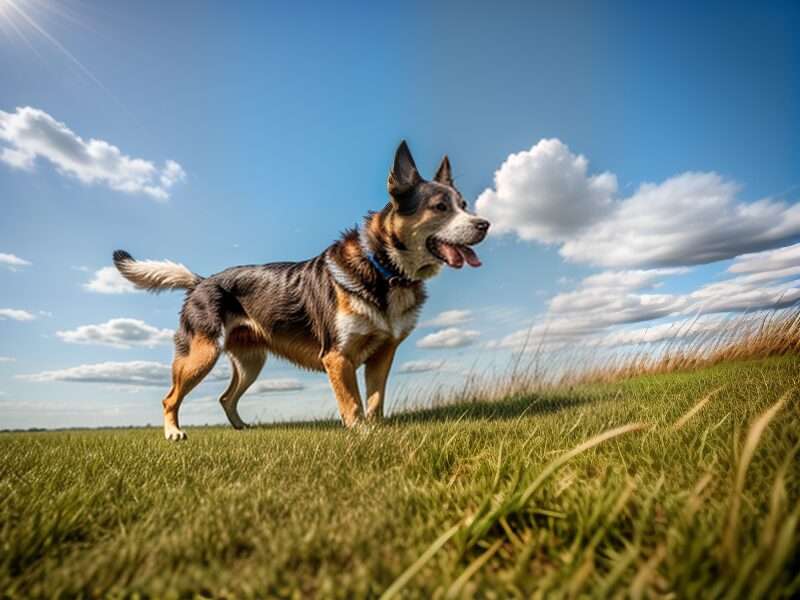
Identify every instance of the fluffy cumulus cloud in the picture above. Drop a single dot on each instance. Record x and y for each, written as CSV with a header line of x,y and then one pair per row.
x,y
30,133
16,314
449,318
108,281
547,195
12,261
452,337
118,333
270,386
421,366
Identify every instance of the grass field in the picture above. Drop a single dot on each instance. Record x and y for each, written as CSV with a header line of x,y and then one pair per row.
x,y
693,492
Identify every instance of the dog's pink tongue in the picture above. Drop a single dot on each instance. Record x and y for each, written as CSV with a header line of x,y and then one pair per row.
x,y
470,256
456,255
452,255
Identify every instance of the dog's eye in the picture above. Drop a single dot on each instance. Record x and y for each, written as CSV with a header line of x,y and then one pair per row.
x,y
441,206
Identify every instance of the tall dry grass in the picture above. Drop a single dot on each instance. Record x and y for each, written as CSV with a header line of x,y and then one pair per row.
x,y
544,366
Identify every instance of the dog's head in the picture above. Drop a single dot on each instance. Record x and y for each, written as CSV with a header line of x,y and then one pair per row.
x,y
429,219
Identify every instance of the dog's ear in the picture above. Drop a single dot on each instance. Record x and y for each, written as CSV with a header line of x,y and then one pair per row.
x,y
404,175
444,174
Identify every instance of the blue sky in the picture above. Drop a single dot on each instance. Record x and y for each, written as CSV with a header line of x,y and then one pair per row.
x,y
654,150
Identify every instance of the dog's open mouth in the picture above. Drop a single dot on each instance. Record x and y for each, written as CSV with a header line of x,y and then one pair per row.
x,y
455,255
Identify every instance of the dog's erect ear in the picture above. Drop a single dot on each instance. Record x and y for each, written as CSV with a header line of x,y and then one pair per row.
x,y
443,173
404,175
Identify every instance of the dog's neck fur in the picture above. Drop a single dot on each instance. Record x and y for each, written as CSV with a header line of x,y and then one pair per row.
x,y
377,237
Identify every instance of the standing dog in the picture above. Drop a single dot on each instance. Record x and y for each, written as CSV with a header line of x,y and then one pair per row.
x,y
351,305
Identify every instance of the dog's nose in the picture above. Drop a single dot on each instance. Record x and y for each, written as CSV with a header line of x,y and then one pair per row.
x,y
482,225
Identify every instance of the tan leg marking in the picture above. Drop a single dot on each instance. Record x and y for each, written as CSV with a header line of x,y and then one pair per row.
x,y
376,371
187,372
247,351
246,364
342,375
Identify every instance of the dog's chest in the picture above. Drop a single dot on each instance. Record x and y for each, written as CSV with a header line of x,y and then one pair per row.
x,y
364,327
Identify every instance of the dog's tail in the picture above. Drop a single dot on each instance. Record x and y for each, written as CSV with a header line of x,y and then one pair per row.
x,y
155,276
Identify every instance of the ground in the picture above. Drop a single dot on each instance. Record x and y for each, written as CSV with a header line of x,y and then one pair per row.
x,y
474,499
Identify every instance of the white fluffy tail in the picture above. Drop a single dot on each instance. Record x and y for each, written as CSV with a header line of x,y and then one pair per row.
x,y
155,275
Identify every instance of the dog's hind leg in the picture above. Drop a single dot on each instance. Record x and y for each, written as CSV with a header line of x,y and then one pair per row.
x,y
188,369
248,354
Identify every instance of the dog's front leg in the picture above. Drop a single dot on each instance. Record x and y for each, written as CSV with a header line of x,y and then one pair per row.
x,y
342,375
377,373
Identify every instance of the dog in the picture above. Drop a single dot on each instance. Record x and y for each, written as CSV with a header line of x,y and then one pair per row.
x,y
350,306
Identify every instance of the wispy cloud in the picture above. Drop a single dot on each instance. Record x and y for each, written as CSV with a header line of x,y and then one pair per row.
x,y
138,372
16,314
448,318
269,386
421,366
13,262
452,337
30,133
130,373
601,302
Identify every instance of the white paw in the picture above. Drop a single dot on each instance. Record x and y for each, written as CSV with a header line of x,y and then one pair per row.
x,y
174,435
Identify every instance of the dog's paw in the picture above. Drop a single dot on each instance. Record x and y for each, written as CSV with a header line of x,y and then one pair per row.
x,y
175,435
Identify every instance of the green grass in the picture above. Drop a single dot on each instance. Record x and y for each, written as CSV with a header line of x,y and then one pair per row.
x,y
478,499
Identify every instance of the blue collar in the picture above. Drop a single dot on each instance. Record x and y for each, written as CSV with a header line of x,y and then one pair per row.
x,y
389,274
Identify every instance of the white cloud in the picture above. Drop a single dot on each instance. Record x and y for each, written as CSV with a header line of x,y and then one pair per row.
x,y
452,337
599,302
545,194
787,257
7,359
118,333
131,373
13,262
614,297
421,366
769,279
267,386
16,314
689,219
108,281
610,299
30,133
137,372
449,318
680,330
739,294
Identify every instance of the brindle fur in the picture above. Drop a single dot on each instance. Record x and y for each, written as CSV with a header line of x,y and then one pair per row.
x,y
331,313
